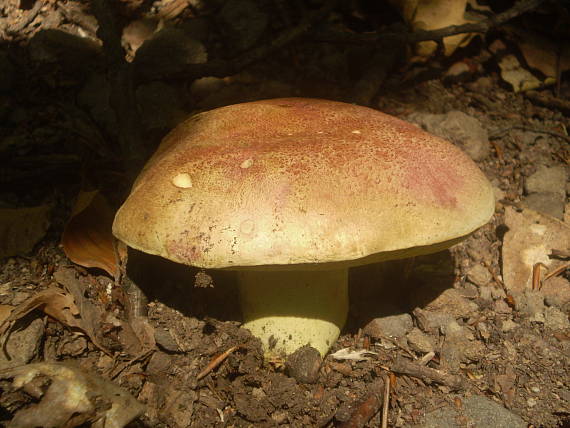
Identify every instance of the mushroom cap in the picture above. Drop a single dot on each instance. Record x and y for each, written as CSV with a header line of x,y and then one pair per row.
x,y
305,182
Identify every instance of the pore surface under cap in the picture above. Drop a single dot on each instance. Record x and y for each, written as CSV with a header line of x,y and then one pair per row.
x,y
300,181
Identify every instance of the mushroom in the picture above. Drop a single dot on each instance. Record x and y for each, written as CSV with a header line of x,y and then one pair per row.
x,y
291,193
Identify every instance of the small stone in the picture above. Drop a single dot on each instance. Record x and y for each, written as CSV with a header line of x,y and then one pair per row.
x,y
419,341
483,330
464,130
431,321
501,307
547,180
469,290
393,326
452,329
479,275
165,340
508,325
547,203
23,344
498,293
531,402
304,364
531,304
280,416
555,319
159,364
258,393
556,291
485,293
453,303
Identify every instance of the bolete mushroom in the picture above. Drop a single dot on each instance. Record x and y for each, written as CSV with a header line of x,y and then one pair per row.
x,y
291,193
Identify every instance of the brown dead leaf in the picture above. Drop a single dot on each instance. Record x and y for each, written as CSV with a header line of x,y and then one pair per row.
x,y
57,304
22,228
91,314
135,335
87,239
52,301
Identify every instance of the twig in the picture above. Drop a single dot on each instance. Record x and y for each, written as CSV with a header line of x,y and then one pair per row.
x,y
518,9
500,132
386,402
548,101
424,35
217,361
536,280
368,408
426,358
557,271
26,19
426,373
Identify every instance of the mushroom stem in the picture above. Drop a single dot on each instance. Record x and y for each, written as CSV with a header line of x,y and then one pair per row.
x,y
291,309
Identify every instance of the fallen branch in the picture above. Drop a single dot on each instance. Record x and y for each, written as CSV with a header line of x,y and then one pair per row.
x,y
367,409
26,19
438,35
428,374
518,9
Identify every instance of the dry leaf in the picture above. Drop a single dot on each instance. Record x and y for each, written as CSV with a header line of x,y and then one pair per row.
x,y
53,302
91,314
57,304
87,239
136,335
21,229
73,398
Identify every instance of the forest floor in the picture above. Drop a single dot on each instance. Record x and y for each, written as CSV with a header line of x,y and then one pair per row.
x,y
461,338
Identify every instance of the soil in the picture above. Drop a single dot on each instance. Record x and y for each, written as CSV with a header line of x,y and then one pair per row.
x,y
61,134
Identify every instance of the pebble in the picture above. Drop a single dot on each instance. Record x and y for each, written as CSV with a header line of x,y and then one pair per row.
x,y
508,325
453,303
22,345
476,411
479,275
549,203
546,179
394,326
555,319
304,364
546,190
431,321
419,341
531,304
462,129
